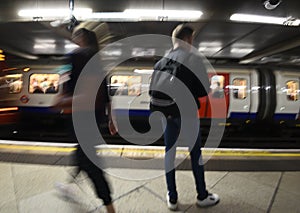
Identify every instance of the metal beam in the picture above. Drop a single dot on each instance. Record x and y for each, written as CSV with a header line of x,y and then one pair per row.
x,y
18,53
278,48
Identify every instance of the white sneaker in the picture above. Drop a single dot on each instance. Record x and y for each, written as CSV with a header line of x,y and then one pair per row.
x,y
172,204
211,200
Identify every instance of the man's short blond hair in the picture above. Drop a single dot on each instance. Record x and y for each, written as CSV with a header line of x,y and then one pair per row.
x,y
180,32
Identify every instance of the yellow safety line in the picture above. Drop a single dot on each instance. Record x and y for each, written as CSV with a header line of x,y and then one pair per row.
x,y
38,148
256,154
153,151
204,152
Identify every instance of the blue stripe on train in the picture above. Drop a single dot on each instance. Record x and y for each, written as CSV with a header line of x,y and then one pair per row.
x,y
242,115
282,116
146,113
139,113
285,116
38,110
239,115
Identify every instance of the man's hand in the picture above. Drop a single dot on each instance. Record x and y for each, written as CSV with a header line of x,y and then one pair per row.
x,y
112,129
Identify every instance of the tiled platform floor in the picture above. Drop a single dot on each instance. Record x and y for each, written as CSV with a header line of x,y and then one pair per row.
x,y
29,188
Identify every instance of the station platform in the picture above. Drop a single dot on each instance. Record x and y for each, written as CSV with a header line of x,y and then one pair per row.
x,y
30,185
30,188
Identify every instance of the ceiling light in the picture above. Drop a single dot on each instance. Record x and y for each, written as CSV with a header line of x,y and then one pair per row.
x,y
44,46
54,12
143,71
71,46
264,19
147,15
209,49
140,52
113,52
165,15
42,41
241,50
113,16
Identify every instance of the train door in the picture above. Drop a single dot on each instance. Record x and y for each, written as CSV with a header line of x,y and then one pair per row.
x,y
287,94
130,100
239,97
129,93
11,86
217,96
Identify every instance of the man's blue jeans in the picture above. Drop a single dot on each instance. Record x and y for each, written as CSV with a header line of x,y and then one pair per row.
x,y
172,129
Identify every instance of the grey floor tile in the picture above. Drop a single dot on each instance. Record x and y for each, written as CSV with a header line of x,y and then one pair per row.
x,y
38,181
5,169
23,168
120,187
286,202
140,201
7,189
266,178
245,191
9,207
212,178
135,174
50,202
290,182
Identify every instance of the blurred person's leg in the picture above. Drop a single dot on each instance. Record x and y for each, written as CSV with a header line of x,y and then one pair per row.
x,y
98,179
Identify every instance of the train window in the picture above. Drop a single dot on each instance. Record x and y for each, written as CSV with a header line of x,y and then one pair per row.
x,y
239,88
292,90
125,85
43,83
11,84
217,86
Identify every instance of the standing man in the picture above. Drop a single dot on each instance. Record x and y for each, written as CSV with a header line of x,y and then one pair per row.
x,y
182,38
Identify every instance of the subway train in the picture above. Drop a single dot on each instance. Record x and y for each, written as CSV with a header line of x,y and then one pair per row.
x,y
256,100
249,96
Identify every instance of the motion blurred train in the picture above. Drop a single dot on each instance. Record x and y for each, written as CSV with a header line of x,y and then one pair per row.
x,y
250,95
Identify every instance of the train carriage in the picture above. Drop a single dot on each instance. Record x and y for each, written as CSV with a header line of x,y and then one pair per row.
x,y
241,95
32,93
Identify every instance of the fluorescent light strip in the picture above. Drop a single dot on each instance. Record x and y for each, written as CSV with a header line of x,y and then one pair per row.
x,y
113,16
209,49
71,46
44,46
127,15
170,14
241,50
150,15
143,71
263,19
54,12
43,41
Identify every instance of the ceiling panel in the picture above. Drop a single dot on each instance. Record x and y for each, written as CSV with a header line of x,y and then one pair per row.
x,y
216,36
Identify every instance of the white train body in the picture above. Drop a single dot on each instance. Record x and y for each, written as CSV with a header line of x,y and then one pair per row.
x,y
248,94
